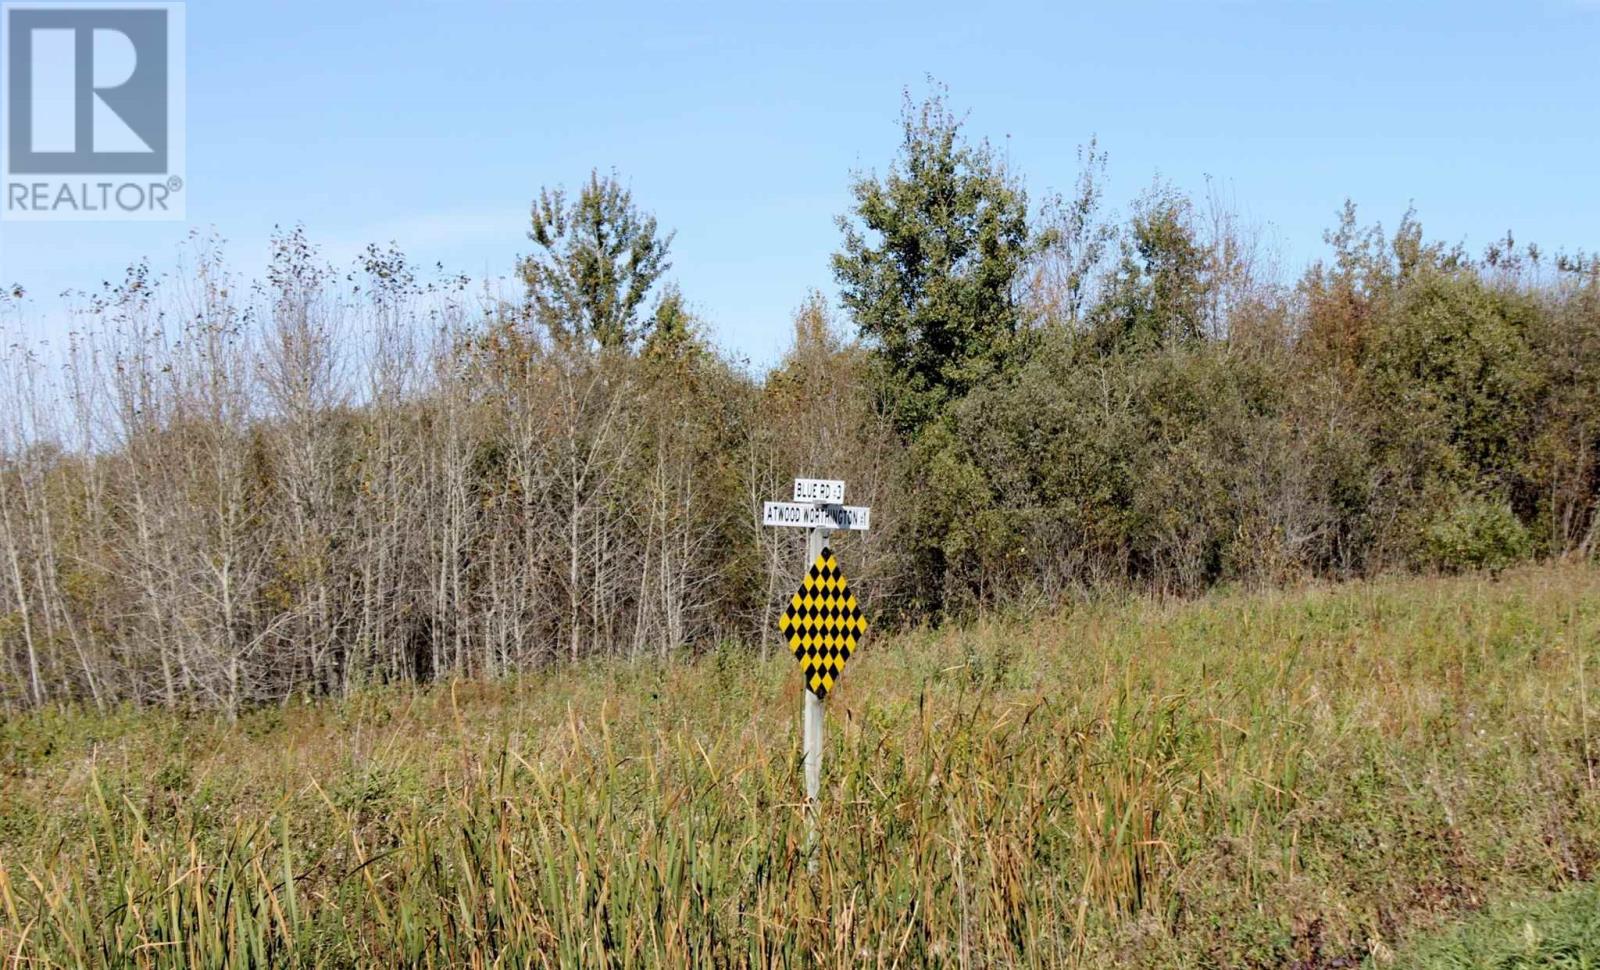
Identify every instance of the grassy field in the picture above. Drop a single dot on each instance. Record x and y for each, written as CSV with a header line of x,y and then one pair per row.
x,y
1561,932
1312,779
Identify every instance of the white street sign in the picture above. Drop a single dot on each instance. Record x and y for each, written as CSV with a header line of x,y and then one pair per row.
x,y
798,515
824,490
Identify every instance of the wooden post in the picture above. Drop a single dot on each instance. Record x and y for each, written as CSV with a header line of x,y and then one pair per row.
x,y
812,726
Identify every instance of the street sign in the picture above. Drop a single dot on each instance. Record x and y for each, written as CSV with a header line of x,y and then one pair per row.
x,y
825,490
823,624
799,515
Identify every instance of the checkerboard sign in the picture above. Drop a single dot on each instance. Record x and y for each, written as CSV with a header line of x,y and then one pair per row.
x,y
823,624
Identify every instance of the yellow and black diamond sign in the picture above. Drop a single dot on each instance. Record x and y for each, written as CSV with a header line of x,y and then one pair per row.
x,y
823,624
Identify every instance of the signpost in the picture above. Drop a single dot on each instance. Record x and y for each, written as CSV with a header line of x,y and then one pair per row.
x,y
822,623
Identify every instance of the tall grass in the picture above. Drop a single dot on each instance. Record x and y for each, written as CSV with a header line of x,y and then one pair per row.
x,y
1253,779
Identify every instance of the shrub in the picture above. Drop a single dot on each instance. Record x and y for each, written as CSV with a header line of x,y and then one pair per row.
x,y
1476,533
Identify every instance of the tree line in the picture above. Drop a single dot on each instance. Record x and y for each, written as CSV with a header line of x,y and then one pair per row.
x,y
227,492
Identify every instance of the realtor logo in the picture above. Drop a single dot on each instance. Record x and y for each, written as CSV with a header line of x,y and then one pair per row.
x,y
93,106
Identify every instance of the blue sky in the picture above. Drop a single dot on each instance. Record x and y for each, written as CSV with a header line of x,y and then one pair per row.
x,y
433,124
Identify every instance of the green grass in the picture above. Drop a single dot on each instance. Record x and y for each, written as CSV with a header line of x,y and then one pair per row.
x,y
1559,933
1308,778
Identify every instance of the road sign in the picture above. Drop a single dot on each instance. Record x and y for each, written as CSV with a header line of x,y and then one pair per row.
x,y
825,490
823,624
799,515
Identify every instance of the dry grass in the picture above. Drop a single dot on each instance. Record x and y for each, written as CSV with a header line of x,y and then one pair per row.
x,y
1288,778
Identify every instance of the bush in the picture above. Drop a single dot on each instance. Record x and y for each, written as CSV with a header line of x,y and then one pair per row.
x,y
1476,533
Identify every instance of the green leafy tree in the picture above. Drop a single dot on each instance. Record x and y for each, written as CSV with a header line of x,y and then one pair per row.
x,y
1452,375
672,330
598,258
1157,291
929,265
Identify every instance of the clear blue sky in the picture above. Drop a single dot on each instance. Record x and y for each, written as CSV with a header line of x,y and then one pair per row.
x,y
432,124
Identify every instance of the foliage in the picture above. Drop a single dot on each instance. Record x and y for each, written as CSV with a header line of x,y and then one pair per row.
x,y
928,267
1475,533
226,494
1455,379
1155,294
599,256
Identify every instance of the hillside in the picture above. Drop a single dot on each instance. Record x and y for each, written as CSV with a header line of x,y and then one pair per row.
x,y
1305,778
